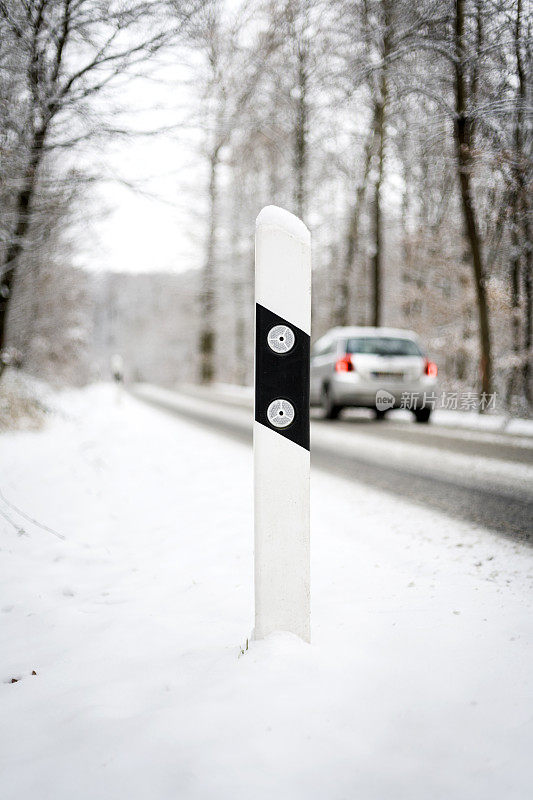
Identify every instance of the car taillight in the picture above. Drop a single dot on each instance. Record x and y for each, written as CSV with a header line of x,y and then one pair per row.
x,y
431,369
344,364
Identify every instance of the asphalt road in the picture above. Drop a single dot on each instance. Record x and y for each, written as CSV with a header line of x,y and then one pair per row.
x,y
481,477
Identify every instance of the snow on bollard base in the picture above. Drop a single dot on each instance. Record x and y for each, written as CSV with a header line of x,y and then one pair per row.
x,y
281,424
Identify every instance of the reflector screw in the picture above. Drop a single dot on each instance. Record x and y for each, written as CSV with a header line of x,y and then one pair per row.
x,y
280,339
280,413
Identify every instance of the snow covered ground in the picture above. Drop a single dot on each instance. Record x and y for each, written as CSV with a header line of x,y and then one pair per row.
x,y
418,682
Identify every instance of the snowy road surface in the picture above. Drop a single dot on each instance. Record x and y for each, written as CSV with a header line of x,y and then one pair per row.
x,y
417,683
484,477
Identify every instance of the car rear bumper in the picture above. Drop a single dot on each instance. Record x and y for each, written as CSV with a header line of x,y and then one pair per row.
x,y
354,390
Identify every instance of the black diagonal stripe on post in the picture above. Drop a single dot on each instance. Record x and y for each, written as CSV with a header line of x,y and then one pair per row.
x,y
282,376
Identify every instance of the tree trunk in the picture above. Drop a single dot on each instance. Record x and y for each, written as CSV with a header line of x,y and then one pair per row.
x,y
463,146
522,207
380,107
342,305
300,135
8,269
528,311
512,385
238,283
377,257
521,257
207,293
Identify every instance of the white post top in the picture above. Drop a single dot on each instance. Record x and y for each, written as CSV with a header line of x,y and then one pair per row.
x,y
276,217
282,274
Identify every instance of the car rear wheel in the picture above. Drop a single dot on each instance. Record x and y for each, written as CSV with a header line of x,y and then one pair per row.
x,y
422,414
331,410
379,414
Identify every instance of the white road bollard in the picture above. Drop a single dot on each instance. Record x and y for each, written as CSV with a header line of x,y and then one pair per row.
x,y
281,425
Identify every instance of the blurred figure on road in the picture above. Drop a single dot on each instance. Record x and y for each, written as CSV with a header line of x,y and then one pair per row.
x,y
117,370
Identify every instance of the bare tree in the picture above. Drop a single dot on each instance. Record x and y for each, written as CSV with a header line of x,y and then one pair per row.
x,y
522,168
456,38
62,55
381,94
344,292
229,75
372,26
296,16
464,122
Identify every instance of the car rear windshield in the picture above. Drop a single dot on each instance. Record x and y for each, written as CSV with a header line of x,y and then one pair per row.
x,y
383,346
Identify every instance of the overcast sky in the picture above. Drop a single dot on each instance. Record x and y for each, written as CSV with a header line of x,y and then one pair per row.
x,y
151,226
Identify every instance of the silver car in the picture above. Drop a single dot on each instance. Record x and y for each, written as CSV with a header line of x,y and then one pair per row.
x,y
378,368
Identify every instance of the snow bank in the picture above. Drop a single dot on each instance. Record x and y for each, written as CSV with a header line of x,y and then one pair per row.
x,y
417,683
22,402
